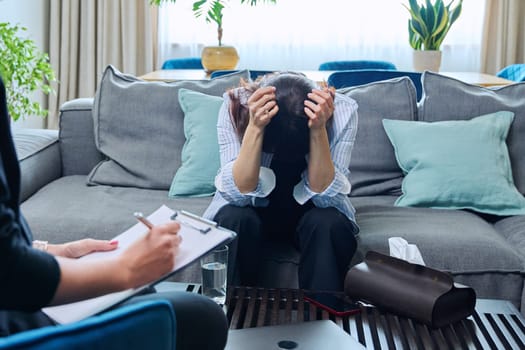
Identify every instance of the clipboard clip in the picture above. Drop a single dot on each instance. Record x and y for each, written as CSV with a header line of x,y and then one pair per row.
x,y
202,229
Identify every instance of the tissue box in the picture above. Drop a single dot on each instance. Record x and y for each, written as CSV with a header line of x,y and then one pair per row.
x,y
416,291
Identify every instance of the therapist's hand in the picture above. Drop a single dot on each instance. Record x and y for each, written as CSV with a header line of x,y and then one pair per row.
x,y
152,256
76,249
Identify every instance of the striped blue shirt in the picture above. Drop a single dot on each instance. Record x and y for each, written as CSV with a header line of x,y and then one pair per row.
x,y
341,129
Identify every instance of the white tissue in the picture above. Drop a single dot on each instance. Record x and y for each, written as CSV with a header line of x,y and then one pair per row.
x,y
401,249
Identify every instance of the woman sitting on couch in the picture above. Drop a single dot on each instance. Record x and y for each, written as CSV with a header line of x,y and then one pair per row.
x,y
285,148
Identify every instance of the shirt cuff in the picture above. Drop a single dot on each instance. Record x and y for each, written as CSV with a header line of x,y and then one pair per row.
x,y
339,185
225,184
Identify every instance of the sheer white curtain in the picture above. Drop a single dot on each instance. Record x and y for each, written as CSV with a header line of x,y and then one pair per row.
x,y
300,34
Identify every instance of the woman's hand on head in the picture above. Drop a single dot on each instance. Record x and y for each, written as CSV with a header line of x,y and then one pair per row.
x,y
152,256
262,106
320,107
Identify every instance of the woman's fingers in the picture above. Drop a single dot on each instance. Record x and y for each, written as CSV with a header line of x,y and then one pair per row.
x,y
320,106
262,105
322,97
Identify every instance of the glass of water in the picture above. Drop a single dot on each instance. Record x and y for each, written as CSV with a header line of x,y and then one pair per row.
x,y
214,268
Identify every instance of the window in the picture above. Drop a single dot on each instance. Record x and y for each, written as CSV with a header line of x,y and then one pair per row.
x,y
300,34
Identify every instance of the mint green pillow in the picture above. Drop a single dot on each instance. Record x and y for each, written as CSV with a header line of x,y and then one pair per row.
x,y
459,164
200,153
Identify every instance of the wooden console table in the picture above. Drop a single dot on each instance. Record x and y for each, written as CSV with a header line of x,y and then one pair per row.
x,y
318,76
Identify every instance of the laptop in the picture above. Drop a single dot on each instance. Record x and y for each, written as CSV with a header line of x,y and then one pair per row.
x,y
313,335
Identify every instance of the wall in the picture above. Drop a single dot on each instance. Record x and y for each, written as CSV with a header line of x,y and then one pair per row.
x,y
34,15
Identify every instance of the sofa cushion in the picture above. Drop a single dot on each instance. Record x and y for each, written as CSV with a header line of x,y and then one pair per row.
x,y
513,229
457,164
139,127
446,98
374,169
77,139
457,241
200,154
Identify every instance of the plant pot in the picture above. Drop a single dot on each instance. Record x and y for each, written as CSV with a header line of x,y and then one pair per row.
x,y
426,60
219,58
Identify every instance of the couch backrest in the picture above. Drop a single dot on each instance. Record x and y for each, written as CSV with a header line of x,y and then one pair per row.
x,y
374,169
77,139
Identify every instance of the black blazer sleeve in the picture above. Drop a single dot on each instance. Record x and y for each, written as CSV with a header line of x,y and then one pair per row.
x,y
28,277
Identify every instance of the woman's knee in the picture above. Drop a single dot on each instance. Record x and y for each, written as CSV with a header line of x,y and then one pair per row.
x,y
326,220
231,216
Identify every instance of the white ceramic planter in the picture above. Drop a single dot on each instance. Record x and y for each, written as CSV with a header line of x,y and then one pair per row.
x,y
426,60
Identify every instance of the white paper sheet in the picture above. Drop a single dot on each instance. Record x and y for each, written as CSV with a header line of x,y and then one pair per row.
x,y
194,245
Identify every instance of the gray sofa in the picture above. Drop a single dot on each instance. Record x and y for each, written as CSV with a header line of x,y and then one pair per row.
x,y
63,201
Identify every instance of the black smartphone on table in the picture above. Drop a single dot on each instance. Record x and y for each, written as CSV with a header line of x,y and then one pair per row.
x,y
335,304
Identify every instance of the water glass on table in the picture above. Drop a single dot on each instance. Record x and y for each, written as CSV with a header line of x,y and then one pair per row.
x,y
214,267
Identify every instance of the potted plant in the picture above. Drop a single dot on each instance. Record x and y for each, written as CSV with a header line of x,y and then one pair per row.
x,y
24,69
215,57
428,26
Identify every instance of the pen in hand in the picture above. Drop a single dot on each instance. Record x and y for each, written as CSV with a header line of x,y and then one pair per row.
x,y
140,217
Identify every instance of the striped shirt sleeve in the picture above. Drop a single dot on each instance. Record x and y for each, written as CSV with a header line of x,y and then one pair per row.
x,y
229,146
341,132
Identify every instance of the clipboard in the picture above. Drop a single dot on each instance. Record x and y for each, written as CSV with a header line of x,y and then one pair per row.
x,y
199,236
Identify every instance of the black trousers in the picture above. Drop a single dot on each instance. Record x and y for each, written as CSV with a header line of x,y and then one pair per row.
x,y
196,316
324,237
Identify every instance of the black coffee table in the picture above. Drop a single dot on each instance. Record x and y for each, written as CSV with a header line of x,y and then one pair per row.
x,y
496,324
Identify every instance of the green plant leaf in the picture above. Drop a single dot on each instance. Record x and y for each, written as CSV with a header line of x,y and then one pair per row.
x,y
211,10
430,22
254,2
414,7
25,69
430,16
456,12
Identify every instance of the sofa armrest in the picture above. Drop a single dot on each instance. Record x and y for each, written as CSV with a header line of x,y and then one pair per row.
x,y
77,138
39,156
146,325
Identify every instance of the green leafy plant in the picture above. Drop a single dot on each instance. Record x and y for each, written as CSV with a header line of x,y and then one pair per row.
x,y
430,22
24,69
211,10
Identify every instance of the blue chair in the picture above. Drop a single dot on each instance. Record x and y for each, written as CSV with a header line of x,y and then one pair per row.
x,y
183,63
349,78
254,74
145,325
362,64
515,72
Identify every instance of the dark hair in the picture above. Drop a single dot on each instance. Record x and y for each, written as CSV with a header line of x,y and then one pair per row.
x,y
288,131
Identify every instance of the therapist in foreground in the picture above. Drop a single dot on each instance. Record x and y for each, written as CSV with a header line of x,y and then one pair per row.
x,y
34,274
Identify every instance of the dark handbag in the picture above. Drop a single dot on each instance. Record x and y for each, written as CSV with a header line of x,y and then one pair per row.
x,y
415,291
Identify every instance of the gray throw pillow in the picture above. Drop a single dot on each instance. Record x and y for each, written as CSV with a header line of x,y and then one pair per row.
x,y
139,127
446,98
374,169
